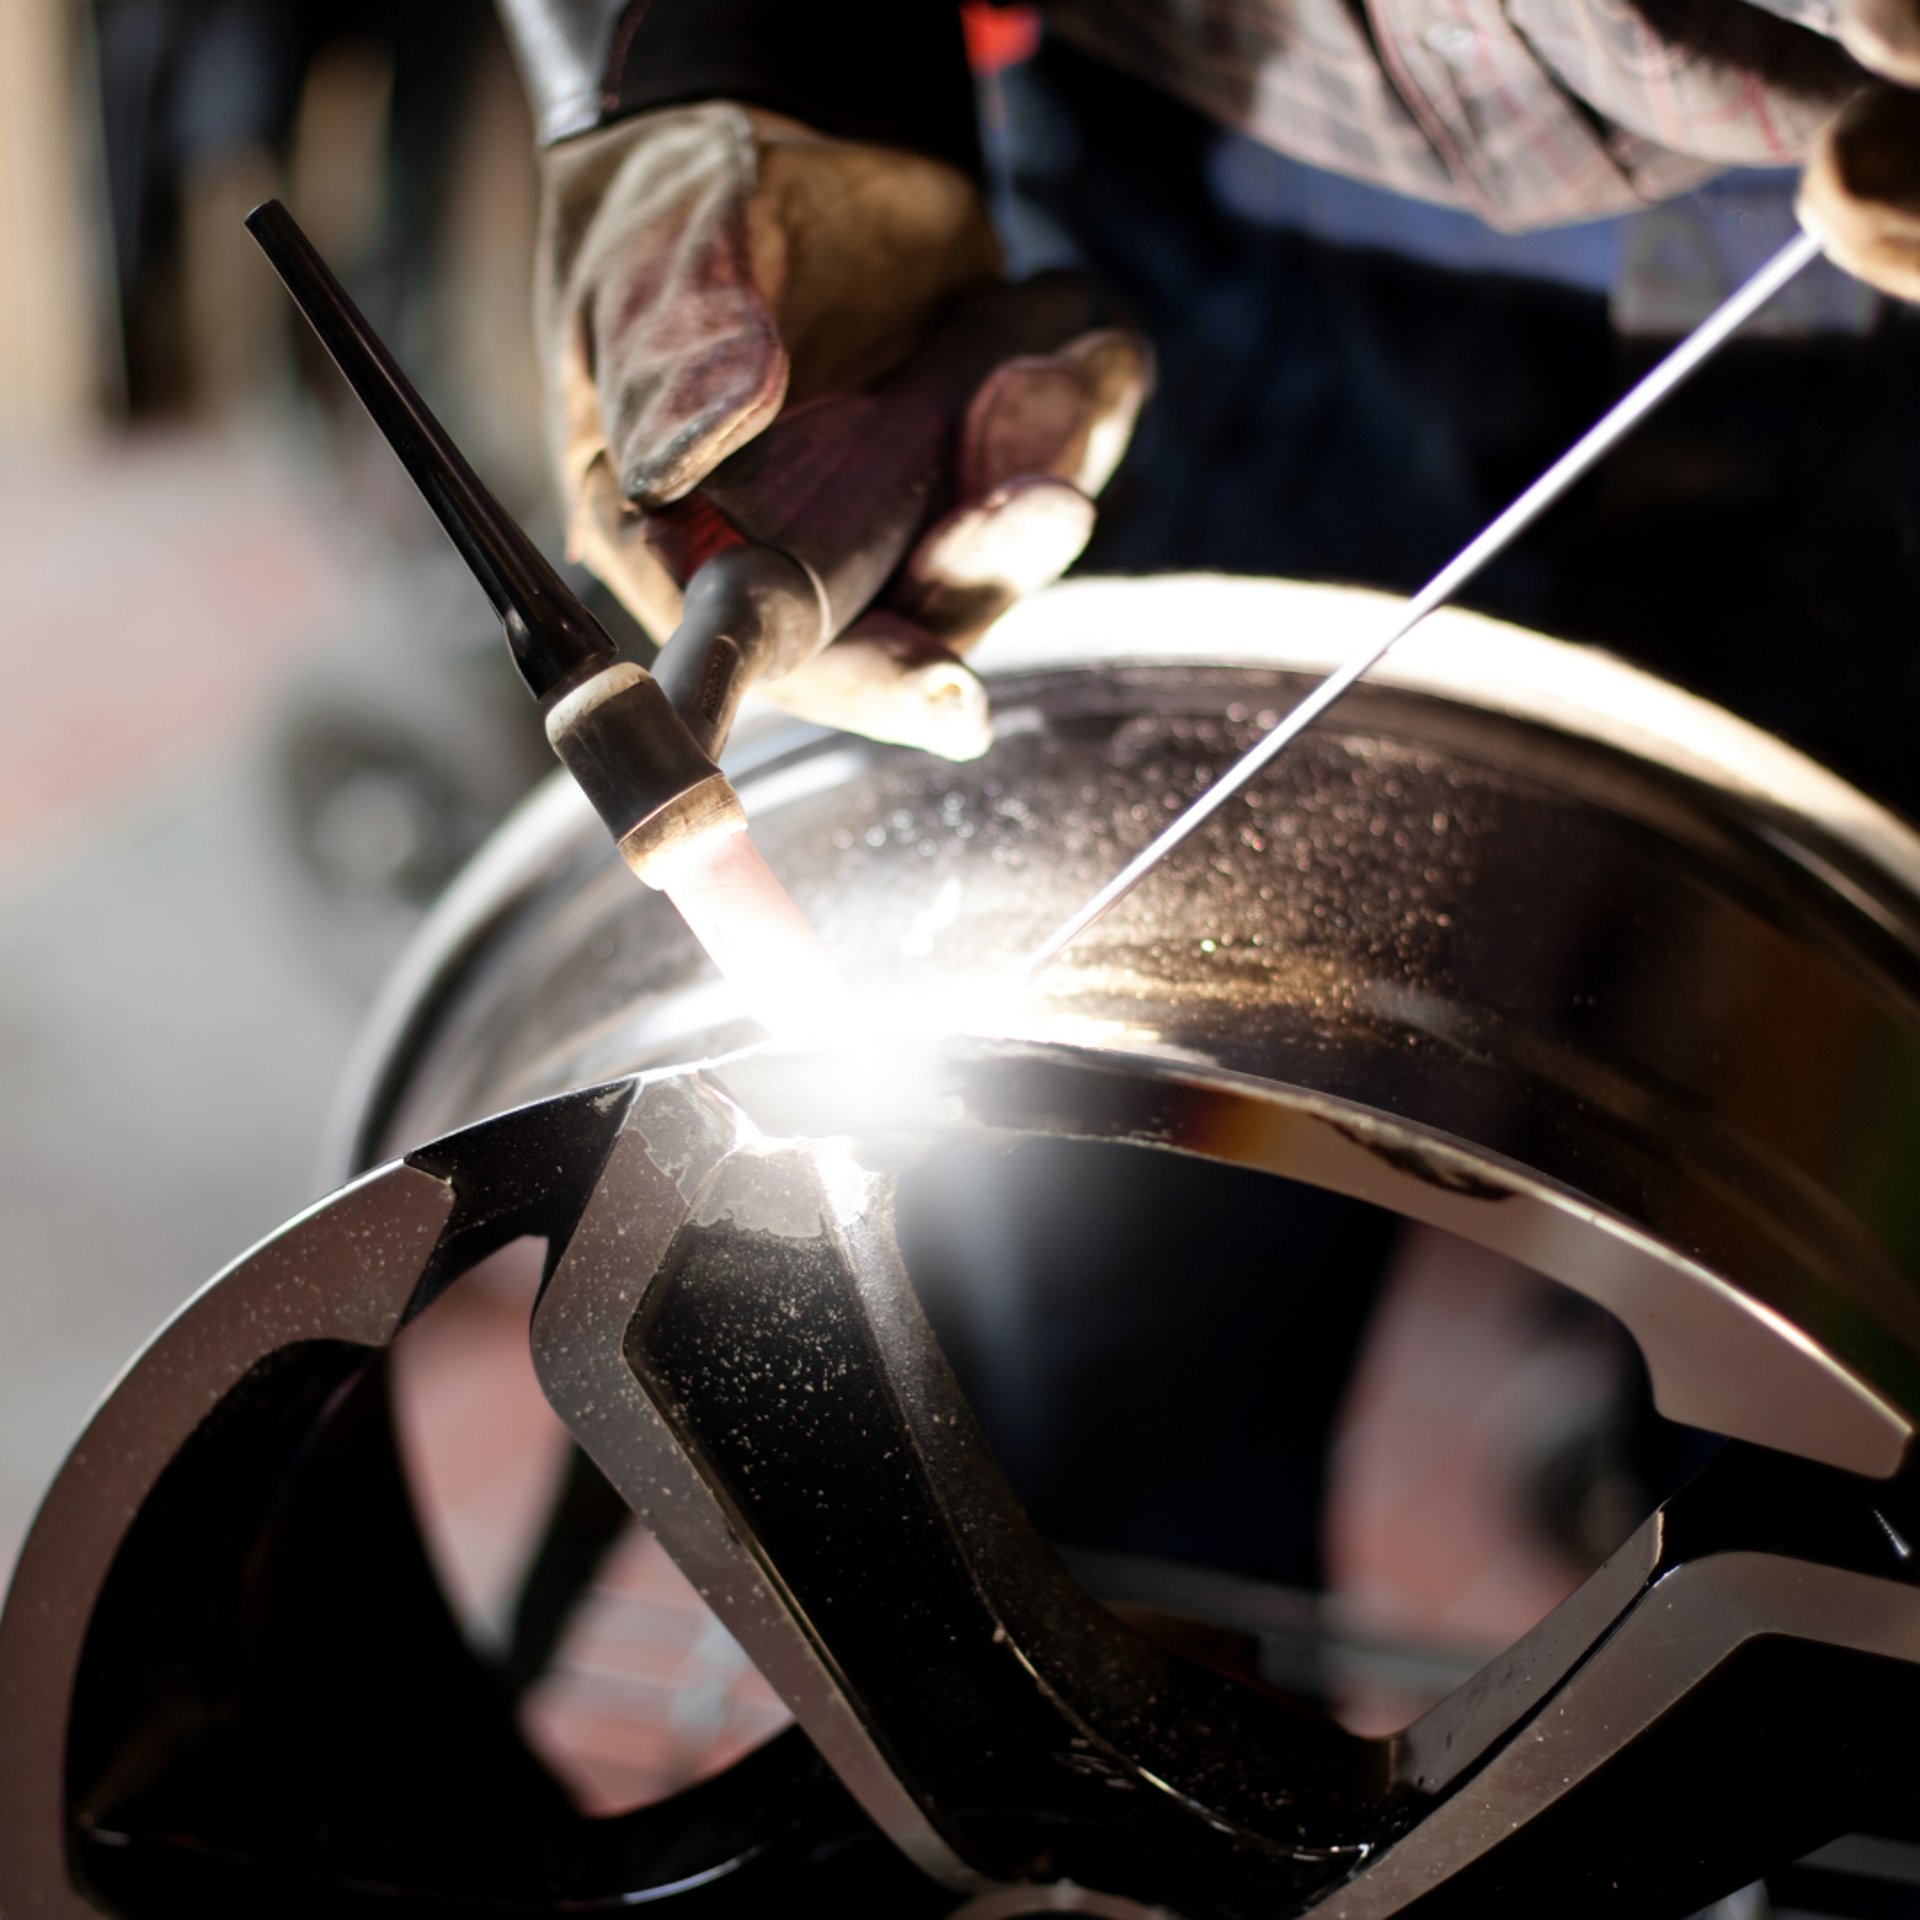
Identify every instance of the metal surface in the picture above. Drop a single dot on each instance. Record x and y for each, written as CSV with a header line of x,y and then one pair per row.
x,y
729,1330
346,1274
1526,947
1493,539
1529,926
665,1164
1021,1903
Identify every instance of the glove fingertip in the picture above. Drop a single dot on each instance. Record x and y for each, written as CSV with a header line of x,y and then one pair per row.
x,y
971,566
674,423
1860,193
1069,414
891,681
657,468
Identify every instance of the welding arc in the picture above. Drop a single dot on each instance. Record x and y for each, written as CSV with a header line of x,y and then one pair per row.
x,y
1613,427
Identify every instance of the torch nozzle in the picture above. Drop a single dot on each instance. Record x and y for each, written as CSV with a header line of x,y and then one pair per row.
x,y
677,821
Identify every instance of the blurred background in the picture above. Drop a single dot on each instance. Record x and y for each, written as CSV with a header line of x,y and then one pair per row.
x,y
252,716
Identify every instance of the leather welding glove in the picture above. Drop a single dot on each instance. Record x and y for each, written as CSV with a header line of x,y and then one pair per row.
x,y
1861,190
701,267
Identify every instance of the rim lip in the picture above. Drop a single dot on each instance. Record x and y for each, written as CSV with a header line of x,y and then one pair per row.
x,y
228,1305
1198,621
1817,1407
1467,658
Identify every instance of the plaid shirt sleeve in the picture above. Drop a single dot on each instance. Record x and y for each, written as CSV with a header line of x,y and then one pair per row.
x,y
1526,112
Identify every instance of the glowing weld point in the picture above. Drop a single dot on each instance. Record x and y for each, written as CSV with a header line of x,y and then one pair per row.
x,y
765,947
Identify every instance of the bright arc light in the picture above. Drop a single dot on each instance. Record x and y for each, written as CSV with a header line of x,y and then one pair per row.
x,y
765,947
783,976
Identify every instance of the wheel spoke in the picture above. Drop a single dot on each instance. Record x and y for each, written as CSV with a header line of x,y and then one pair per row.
x,y
733,1337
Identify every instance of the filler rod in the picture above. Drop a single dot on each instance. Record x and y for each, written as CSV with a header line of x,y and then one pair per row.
x,y
1707,338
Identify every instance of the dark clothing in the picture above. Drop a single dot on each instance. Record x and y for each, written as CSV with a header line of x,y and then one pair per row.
x,y
1525,112
889,72
1332,412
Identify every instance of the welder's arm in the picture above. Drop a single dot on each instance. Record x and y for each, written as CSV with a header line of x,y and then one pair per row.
x,y
740,219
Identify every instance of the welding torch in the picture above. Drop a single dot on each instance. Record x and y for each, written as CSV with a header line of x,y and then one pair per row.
x,y
784,545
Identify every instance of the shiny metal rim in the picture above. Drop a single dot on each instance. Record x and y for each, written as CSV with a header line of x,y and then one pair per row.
x,y
1768,1588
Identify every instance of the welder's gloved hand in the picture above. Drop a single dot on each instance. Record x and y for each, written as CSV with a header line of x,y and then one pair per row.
x,y
702,267
1861,190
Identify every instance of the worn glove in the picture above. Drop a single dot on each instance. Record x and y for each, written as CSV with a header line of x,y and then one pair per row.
x,y
1861,190
702,267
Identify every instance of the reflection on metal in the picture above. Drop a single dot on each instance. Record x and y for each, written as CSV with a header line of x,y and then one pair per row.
x,y
1652,1029
727,1328
1302,1642
1528,923
1028,1903
345,1273
666,1161
1685,1627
